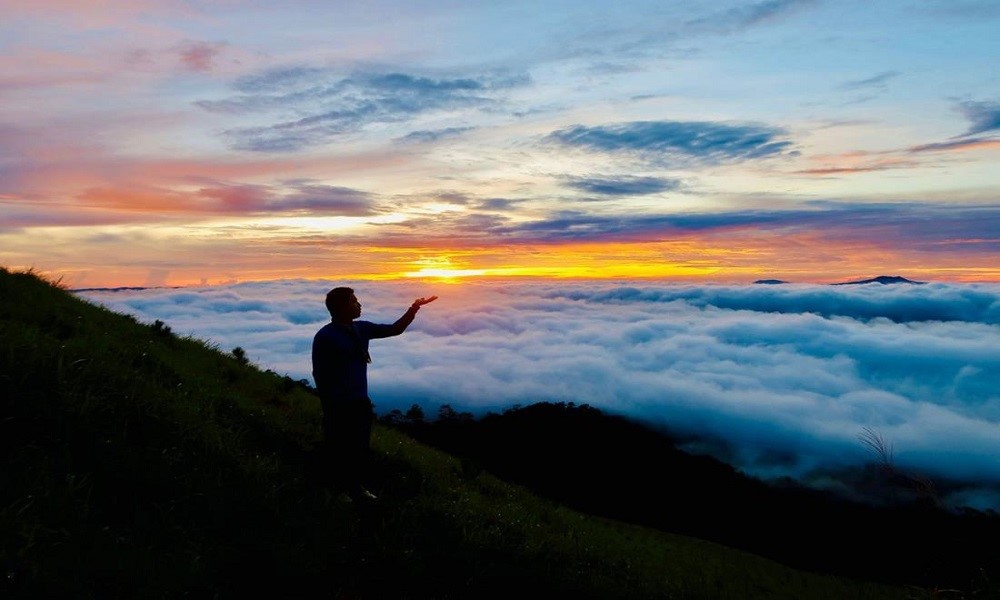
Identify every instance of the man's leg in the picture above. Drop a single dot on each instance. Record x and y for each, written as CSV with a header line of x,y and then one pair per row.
x,y
336,446
358,454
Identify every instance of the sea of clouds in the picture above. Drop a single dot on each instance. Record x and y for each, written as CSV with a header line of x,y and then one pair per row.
x,y
788,376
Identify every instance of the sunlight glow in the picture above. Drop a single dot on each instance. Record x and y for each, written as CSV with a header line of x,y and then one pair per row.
x,y
445,273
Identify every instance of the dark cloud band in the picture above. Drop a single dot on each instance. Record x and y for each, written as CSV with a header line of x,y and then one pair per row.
x,y
679,142
623,185
983,116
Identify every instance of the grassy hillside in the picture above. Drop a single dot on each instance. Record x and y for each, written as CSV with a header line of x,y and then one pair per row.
x,y
619,468
142,464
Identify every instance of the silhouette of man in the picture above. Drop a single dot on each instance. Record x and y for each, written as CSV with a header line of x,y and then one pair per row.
x,y
340,369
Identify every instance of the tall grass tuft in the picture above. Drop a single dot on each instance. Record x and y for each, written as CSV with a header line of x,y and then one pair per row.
x,y
899,485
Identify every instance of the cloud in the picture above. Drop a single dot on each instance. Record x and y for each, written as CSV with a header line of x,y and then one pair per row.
x,y
858,162
455,225
899,303
275,80
876,81
623,185
199,56
984,116
15,217
327,199
824,171
427,136
326,106
901,225
456,198
795,370
499,204
867,162
957,146
742,17
222,198
581,225
300,196
679,143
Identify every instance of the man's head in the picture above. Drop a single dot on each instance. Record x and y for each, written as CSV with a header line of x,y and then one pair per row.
x,y
343,304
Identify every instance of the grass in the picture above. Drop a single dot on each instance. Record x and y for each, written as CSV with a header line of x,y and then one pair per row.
x,y
140,464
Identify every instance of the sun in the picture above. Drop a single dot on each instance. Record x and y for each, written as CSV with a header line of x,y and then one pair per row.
x,y
444,273
442,268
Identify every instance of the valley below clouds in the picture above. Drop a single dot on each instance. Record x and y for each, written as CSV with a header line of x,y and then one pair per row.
x,y
778,380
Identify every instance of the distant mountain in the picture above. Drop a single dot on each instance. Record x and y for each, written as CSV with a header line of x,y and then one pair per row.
x,y
125,288
884,279
109,289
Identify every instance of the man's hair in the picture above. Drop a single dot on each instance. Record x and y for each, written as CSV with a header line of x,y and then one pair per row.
x,y
336,299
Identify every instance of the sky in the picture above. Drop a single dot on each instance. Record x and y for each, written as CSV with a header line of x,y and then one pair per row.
x,y
177,143
777,380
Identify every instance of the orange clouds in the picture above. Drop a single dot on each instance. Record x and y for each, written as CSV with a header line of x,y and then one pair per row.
x,y
865,162
966,145
199,56
188,255
141,198
856,162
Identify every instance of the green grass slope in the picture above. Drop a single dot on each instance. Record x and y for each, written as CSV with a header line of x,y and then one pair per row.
x,y
141,464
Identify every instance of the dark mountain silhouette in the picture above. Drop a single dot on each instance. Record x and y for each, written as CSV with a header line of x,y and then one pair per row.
x,y
883,279
618,468
125,288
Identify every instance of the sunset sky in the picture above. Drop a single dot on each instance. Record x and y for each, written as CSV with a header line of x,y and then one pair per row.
x,y
172,142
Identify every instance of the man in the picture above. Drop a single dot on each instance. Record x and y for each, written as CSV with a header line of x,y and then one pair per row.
x,y
340,369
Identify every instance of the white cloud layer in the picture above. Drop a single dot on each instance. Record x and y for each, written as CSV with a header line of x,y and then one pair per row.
x,y
788,375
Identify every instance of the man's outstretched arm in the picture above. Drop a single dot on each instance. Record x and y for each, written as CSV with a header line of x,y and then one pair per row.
x,y
403,322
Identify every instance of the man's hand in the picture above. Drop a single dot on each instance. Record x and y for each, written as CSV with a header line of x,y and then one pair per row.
x,y
422,301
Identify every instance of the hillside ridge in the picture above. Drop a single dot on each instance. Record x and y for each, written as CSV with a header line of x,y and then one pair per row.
x,y
620,468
